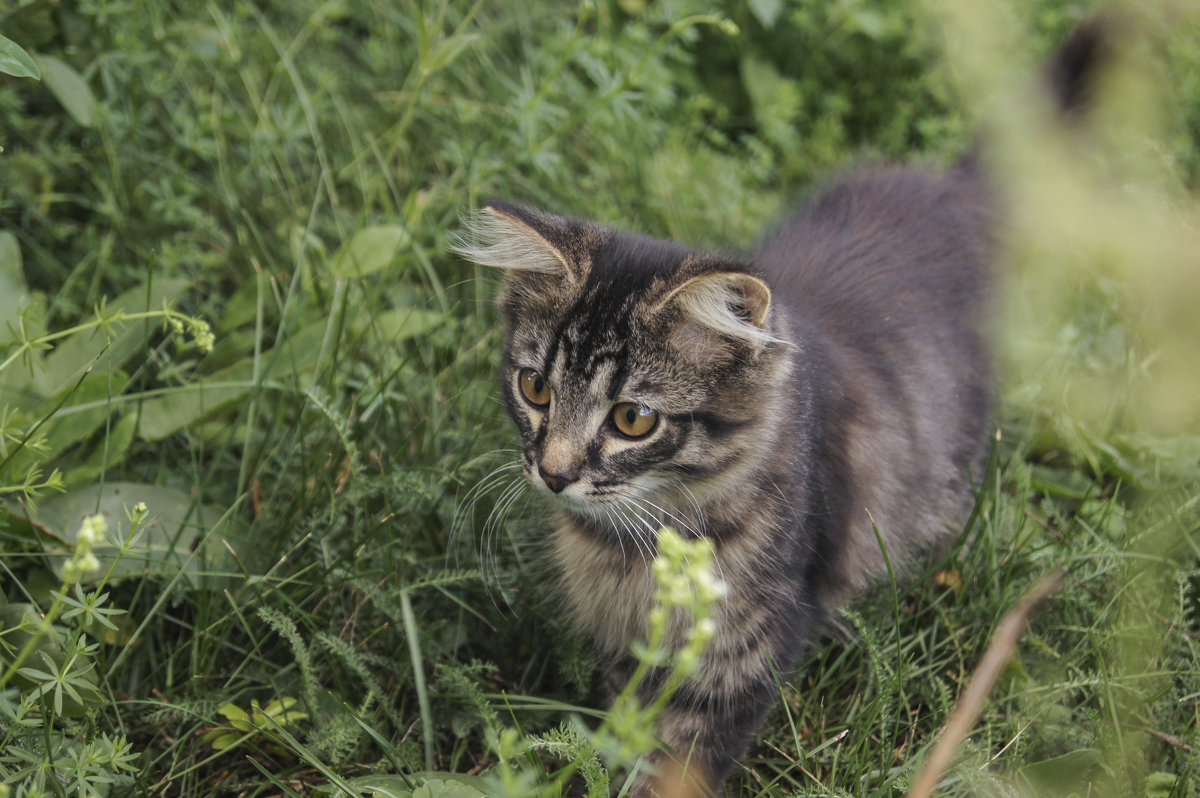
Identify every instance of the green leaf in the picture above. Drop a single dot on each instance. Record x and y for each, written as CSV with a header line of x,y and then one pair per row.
x,y
16,62
766,11
432,785
775,98
233,712
79,351
368,251
447,788
1061,482
224,741
1160,784
69,88
399,325
85,408
170,541
13,291
108,452
1061,775
869,22
82,409
18,622
278,709
188,404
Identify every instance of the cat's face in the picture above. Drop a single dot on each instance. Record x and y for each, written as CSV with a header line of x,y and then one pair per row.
x,y
633,368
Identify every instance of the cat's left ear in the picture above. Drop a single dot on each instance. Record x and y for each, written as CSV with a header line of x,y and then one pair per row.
x,y
734,304
520,239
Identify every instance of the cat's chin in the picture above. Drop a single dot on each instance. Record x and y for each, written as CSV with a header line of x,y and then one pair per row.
x,y
576,503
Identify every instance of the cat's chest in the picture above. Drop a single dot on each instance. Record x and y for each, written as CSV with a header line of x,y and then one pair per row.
x,y
609,591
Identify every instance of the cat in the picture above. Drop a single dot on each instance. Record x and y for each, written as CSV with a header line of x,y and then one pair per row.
x,y
819,411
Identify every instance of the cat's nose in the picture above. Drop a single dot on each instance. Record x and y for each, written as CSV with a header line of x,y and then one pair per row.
x,y
556,482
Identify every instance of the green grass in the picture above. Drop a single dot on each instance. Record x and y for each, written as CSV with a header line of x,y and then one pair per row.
x,y
291,174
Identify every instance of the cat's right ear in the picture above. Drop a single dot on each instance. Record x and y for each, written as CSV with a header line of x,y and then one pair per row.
x,y
520,239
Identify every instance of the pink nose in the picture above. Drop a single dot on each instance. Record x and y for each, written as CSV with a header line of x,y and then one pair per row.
x,y
556,482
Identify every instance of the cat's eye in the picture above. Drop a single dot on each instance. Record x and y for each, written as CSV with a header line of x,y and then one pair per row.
x,y
633,420
533,387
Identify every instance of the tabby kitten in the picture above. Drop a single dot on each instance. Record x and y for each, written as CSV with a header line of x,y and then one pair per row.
x,y
806,410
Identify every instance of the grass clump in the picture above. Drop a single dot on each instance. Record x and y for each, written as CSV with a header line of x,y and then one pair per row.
x,y
293,613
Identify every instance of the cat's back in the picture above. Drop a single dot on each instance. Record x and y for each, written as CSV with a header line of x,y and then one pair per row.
x,y
895,242
884,278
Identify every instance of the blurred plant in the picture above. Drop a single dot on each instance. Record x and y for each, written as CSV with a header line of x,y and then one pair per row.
x,y
678,630
1104,337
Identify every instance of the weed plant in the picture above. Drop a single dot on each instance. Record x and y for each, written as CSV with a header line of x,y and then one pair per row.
x,y
234,341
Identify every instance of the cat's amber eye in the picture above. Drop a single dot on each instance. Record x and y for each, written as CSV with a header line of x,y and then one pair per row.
x,y
533,387
633,420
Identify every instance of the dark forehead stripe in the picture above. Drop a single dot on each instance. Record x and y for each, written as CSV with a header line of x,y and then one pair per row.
x,y
588,343
618,381
597,327
628,264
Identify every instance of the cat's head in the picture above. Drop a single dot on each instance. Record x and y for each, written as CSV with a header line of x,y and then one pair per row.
x,y
634,368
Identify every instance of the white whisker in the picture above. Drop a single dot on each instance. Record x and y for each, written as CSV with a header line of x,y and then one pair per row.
x,y
507,484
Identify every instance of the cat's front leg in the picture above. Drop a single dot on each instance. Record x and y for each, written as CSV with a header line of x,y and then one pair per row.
x,y
704,732
668,777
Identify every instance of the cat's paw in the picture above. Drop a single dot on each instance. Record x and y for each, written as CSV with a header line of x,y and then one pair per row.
x,y
674,780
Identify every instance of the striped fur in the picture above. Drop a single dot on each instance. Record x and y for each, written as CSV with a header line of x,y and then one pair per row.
x,y
829,394
835,382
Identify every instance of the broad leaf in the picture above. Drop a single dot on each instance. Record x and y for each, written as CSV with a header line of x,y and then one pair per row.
x,y
13,291
429,785
447,788
399,325
69,88
80,351
1063,775
109,451
766,11
187,404
369,250
169,542
16,62
84,407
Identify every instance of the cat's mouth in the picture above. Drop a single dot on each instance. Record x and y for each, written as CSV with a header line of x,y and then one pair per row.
x,y
574,498
629,507
582,496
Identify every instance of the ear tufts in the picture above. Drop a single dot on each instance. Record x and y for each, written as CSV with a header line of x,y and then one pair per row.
x,y
492,237
734,304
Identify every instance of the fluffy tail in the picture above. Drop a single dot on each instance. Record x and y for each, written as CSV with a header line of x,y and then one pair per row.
x,y
1072,73
1070,77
